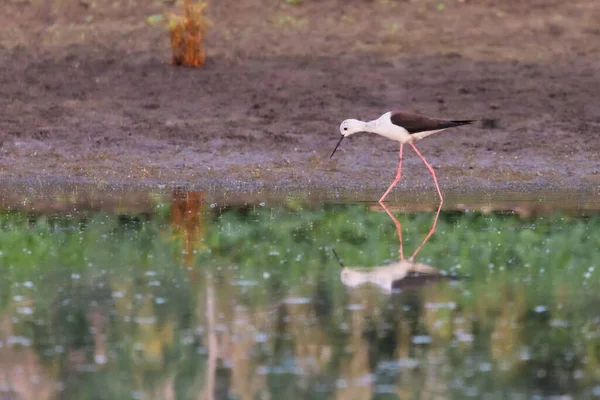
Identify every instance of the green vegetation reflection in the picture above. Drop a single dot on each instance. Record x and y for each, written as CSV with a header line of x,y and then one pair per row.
x,y
196,300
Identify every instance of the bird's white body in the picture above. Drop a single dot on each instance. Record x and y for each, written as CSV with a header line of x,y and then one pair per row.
x,y
383,126
385,276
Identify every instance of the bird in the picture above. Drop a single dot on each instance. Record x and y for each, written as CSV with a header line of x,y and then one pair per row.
x,y
403,127
403,274
392,277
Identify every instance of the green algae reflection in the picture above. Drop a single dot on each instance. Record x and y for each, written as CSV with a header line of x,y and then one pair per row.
x,y
189,300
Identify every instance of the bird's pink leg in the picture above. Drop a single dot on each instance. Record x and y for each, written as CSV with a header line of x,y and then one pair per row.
x,y
430,232
430,170
398,175
398,229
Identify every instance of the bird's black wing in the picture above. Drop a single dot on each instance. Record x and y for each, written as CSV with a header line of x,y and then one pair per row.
x,y
415,123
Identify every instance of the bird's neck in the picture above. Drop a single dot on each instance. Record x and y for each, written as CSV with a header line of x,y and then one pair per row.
x,y
372,126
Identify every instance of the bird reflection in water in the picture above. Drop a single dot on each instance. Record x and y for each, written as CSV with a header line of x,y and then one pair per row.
x,y
403,274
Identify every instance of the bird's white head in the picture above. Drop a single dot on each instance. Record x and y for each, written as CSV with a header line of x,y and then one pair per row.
x,y
351,126
354,278
347,128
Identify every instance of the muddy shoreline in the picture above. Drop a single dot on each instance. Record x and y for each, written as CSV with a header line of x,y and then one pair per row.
x,y
67,196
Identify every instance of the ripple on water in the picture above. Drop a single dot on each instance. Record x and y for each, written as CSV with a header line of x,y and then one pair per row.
x,y
485,367
385,389
18,340
463,336
421,339
245,283
145,320
363,380
355,307
559,323
541,309
441,305
261,337
277,370
25,310
296,300
396,365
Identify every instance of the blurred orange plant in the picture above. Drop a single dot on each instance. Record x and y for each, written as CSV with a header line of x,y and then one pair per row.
x,y
187,34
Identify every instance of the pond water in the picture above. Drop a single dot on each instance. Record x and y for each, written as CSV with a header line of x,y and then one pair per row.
x,y
178,297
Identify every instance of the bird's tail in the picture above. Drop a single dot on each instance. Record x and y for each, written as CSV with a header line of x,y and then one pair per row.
x,y
462,122
441,127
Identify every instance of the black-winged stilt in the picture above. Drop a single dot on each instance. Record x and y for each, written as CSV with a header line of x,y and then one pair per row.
x,y
404,128
399,275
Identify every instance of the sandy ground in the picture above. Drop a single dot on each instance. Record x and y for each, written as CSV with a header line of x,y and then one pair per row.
x,y
87,94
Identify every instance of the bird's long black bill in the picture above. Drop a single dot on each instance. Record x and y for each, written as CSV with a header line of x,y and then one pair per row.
x,y
337,257
336,146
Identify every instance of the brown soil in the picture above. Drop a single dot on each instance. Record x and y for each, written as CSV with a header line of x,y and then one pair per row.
x,y
87,93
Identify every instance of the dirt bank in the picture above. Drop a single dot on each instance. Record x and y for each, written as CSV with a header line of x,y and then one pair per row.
x,y
87,93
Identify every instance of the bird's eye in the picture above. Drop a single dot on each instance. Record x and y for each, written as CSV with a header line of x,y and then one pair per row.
x,y
345,128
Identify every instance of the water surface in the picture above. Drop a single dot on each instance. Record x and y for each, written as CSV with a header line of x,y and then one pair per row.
x,y
188,298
